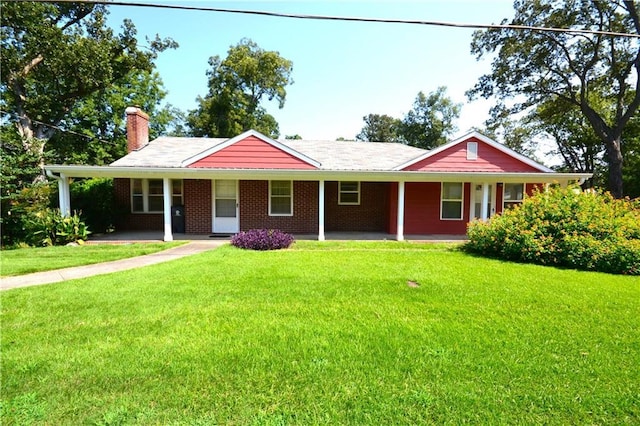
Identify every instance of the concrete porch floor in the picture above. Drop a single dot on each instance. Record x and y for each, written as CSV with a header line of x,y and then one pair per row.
x,y
156,236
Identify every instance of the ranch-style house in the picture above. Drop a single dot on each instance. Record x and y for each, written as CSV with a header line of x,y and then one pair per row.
x,y
223,186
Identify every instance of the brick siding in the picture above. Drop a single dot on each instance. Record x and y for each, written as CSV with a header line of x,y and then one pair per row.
x,y
371,215
128,221
197,206
254,207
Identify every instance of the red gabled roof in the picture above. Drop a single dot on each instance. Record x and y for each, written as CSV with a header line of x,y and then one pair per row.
x,y
251,150
491,157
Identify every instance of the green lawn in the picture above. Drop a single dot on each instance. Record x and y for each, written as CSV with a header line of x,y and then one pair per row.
x,y
29,260
325,334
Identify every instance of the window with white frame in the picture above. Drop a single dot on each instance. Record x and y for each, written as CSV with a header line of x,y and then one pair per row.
x,y
472,150
280,198
349,193
513,194
147,195
451,200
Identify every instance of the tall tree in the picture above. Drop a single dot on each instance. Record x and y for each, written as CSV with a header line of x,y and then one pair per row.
x,y
631,153
96,124
431,120
531,67
577,144
237,86
55,55
380,128
515,134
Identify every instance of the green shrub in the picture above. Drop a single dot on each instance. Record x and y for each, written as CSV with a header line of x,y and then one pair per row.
x,y
95,198
19,208
49,228
565,227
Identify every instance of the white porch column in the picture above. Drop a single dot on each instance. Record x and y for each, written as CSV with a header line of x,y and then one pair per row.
x,y
485,201
166,196
64,195
400,224
321,210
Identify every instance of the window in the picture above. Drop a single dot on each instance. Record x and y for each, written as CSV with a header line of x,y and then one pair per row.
x,y
349,193
147,196
513,194
176,193
137,196
280,198
472,150
155,200
451,201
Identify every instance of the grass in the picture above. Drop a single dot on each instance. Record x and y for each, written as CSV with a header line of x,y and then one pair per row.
x,y
28,260
325,334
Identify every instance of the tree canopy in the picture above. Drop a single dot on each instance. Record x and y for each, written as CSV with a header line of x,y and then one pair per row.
x,y
237,86
55,55
96,125
66,79
597,75
380,128
426,125
431,120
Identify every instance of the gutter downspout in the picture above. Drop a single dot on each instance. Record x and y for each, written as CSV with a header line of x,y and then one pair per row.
x,y
64,195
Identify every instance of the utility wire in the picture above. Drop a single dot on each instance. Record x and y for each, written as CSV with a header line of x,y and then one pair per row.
x,y
348,18
60,129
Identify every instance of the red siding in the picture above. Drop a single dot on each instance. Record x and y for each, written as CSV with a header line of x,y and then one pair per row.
x,y
499,197
252,153
531,187
254,208
369,216
422,210
489,159
529,190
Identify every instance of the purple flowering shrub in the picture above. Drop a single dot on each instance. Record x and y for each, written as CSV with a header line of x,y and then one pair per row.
x,y
262,239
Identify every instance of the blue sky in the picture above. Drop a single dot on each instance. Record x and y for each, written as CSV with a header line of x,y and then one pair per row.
x,y
342,71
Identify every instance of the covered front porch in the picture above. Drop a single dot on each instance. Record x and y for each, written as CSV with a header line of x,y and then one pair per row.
x,y
418,206
126,237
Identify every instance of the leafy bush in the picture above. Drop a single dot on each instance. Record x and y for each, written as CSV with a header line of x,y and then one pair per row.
x,y
49,228
19,208
565,227
95,198
262,239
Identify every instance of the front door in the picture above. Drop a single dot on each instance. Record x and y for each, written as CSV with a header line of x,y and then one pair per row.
x,y
226,219
476,201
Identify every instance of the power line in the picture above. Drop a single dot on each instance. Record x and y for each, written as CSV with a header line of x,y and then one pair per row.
x,y
348,18
60,129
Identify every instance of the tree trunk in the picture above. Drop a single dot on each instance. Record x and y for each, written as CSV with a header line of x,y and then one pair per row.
x,y
612,138
614,154
34,136
36,146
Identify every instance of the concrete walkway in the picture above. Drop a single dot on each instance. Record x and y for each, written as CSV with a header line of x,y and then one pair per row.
x,y
58,275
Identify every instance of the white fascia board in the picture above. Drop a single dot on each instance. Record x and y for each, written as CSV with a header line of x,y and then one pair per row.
x,y
482,138
309,175
245,135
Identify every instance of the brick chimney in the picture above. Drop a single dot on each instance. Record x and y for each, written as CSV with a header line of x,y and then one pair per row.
x,y
137,129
